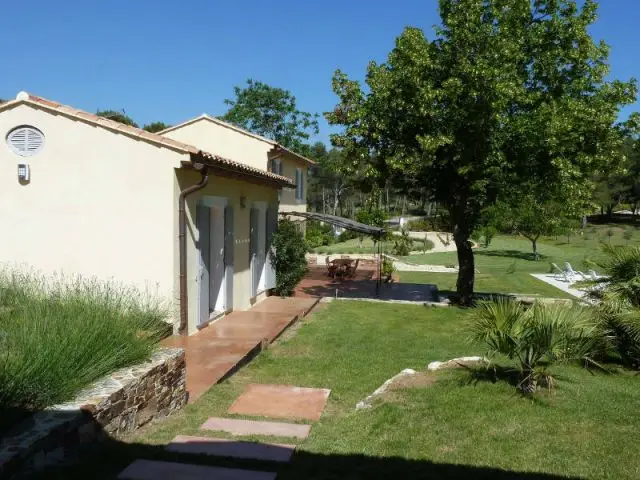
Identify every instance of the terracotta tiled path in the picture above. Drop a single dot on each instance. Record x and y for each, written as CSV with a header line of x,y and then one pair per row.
x,y
219,350
212,355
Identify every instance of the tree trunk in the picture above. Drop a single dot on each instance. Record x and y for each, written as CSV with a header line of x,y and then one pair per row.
x,y
388,206
427,209
336,200
528,383
324,202
466,267
609,211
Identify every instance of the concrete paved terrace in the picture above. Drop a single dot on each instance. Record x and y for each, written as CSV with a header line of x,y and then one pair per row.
x,y
217,351
317,283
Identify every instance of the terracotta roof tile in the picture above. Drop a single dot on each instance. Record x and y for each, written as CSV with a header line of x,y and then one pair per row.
x,y
159,140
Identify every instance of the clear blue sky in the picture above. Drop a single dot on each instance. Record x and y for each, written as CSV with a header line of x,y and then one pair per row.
x,y
172,60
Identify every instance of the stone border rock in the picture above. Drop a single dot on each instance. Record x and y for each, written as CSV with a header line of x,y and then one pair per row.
x,y
460,362
367,402
118,403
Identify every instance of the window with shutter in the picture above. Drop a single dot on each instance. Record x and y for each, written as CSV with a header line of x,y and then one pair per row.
x,y
302,199
276,166
25,140
298,184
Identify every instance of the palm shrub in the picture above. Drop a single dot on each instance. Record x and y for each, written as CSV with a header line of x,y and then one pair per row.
x,y
619,307
288,249
57,335
621,264
402,244
535,338
619,325
387,269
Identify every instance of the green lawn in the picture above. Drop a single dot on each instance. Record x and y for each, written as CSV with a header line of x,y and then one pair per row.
x,y
521,283
504,266
456,428
505,250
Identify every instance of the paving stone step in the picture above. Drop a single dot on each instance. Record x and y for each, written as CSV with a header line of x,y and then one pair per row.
x,y
154,470
281,401
222,447
253,427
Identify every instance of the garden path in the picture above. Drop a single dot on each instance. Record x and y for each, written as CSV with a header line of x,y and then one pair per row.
x,y
217,351
280,401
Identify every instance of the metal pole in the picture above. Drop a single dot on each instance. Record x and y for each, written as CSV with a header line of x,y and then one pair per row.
x,y
379,270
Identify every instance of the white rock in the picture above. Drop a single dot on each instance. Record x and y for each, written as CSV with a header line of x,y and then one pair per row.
x,y
366,403
459,362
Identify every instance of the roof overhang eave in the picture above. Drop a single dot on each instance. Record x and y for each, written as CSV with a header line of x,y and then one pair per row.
x,y
228,169
278,150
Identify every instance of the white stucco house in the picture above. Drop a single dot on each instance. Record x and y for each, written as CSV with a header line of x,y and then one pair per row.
x,y
214,135
184,215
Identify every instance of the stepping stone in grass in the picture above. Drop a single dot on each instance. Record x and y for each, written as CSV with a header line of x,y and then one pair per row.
x,y
252,427
222,447
282,401
154,470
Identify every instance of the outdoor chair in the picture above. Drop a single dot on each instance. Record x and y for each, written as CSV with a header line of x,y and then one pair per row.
x,y
572,275
331,267
558,273
584,276
351,271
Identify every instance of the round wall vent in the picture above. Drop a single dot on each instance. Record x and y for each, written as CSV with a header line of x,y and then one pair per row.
x,y
25,140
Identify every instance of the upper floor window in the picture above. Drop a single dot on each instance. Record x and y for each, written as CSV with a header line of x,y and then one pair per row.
x,y
276,166
25,140
299,185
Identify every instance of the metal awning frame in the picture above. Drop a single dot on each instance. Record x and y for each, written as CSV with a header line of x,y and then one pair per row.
x,y
348,224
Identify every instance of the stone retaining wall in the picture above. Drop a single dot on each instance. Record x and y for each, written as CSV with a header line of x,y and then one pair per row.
x,y
119,403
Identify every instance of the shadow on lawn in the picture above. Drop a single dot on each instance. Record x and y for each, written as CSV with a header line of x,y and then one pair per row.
x,y
493,374
115,456
516,254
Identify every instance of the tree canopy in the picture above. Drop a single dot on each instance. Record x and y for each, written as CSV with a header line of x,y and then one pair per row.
x,y
273,113
508,94
155,127
121,117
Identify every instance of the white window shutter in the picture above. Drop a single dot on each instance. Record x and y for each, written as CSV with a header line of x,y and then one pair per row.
x,y
25,140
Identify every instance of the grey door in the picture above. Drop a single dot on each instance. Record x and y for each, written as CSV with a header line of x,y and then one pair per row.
x,y
253,250
203,224
272,226
229,240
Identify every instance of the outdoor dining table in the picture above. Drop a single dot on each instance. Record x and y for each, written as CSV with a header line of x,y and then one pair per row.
x,y
342,264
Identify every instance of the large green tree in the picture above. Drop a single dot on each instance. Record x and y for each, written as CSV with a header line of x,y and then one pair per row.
x,y
329,183
273,113
531,215
508,93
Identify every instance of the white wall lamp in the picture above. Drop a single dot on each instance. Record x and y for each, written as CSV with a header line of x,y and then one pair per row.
x,y
24,172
